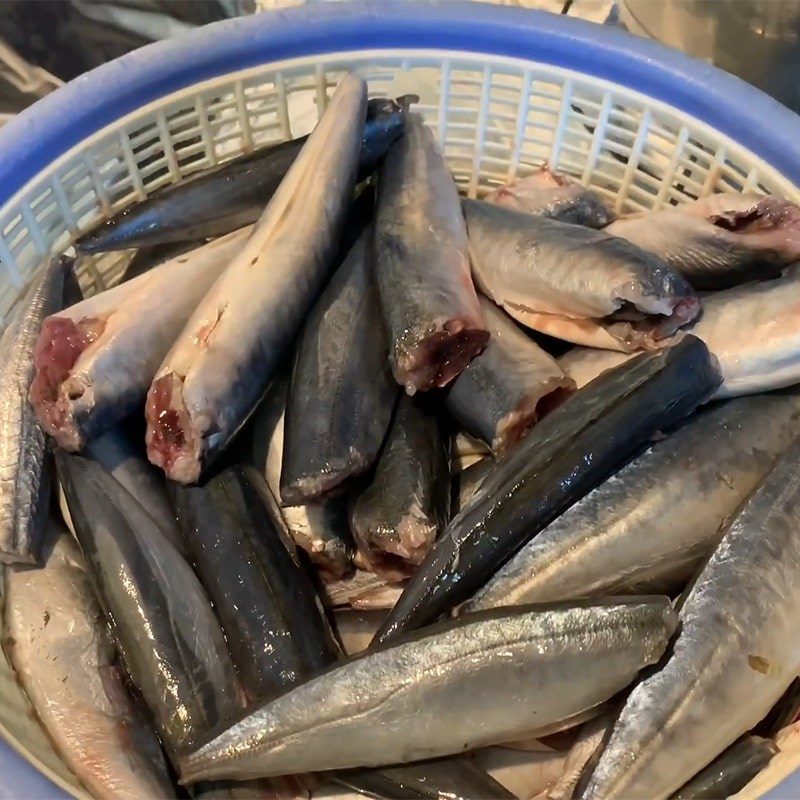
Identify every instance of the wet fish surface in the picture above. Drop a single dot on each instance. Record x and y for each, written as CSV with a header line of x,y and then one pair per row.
x,y
273,620
221,363
721,240
468,481
555,195
215,202
95,360
574,283
430,306
59,647
503,391
566,455
342,392
734,656
362,590
24,461
649,527
396,519
416,698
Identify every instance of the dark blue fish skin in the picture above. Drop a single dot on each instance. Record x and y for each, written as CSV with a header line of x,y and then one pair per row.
x,y
570,452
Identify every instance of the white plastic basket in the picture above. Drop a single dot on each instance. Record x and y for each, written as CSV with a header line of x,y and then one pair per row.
x,y
506,90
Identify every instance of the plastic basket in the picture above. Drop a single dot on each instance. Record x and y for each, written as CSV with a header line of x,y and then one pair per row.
x,y
505,89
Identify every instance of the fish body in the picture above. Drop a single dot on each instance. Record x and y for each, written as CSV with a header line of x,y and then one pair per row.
x,y
396,519
503,391
362,590
221,363
567,454
218,201
266,603
171,644
430,306
735,654
95,360
63,658
575,283
649,527
468,481
721,240
355,629
24,462
342,392
555,195
420,698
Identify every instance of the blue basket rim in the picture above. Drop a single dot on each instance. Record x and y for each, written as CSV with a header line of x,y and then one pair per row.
x,y
58,122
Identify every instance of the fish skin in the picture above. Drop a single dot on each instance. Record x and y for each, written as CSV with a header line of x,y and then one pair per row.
x,y
191,209
321,529
466,482
734,656
147,258
556,195
575,283
752,330
721,240
342,392
127,464
396,519
364,591
503,391
368,710
731,771
649,527
272,617
170,642
429,303
221,363
355,629
65,663
567,454
25,466
114,362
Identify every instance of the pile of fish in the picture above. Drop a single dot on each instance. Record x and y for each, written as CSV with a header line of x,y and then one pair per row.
x,y
370,488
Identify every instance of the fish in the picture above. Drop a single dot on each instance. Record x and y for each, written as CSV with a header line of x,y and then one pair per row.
x,y
429,303
146,258
466,450
652,525
95,360
25,467
222,362
396,519
342,392
575,283
721,240
584,364
782,714
120,457
752,331
170,641
218,201
321,528
451,778
731,771
524,774
734,656
572,450
555,195
468,481
418,698
502,393
273,620
355,629
62,656
363,590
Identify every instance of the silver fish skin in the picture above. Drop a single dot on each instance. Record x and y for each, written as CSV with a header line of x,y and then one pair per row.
x,y
342,392
574,283
415,698
95,360
59,648
649,527
221,363
721,240
753,331
429,303
396,519
24,463
503,391
734,656
555,195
